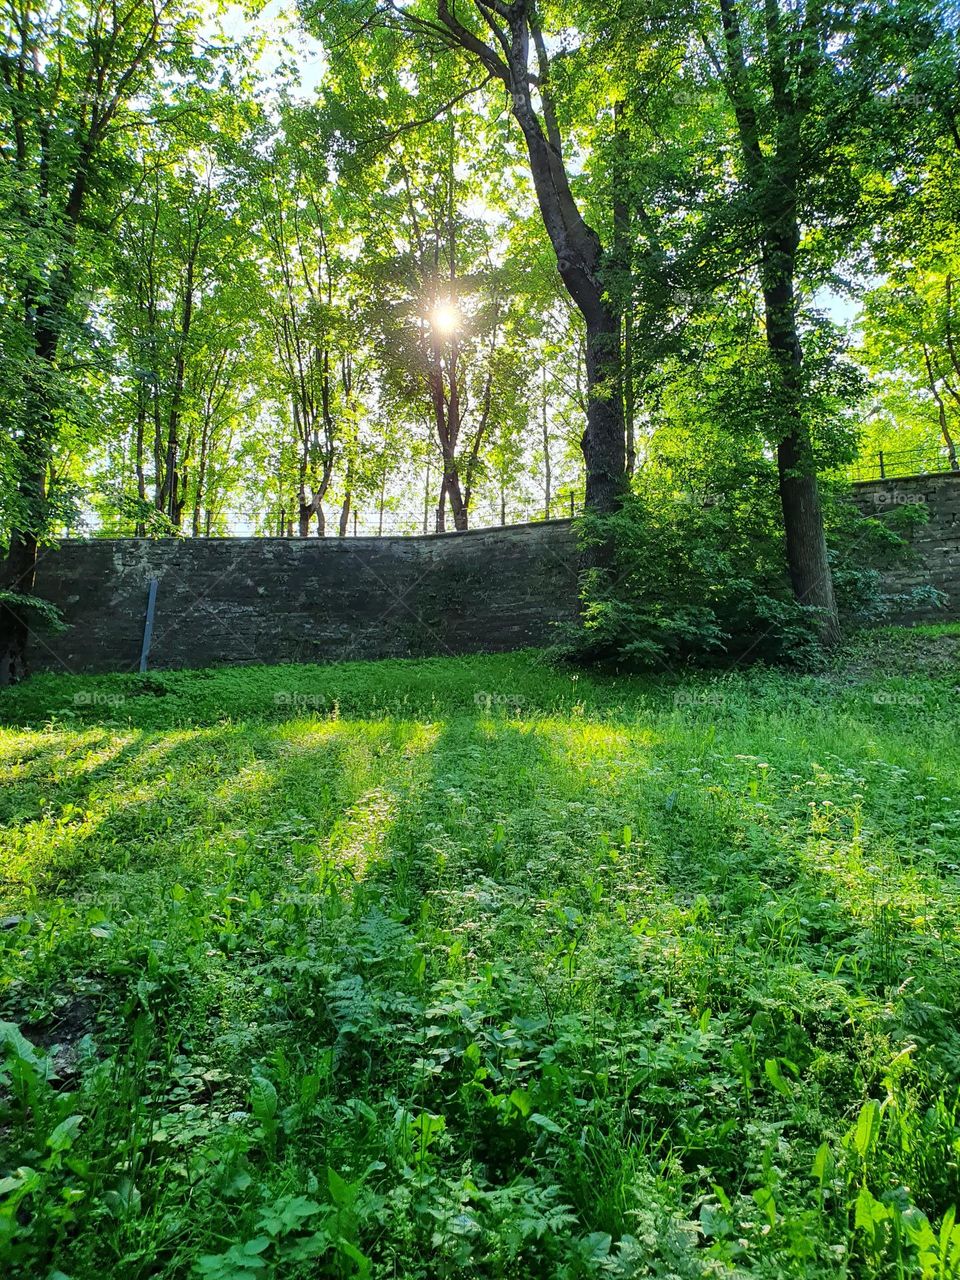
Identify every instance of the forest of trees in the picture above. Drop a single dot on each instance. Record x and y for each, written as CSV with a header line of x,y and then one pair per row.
x,y
406,267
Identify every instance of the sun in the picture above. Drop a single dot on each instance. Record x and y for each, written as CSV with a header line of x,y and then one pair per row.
x,y
445,319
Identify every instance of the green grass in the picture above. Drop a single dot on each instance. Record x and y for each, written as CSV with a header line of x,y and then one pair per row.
x,y
473,968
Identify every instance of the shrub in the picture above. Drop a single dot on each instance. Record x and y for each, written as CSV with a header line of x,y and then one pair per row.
x,y
689,576
683,575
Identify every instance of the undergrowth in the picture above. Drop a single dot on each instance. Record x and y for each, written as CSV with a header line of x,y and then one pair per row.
x,y
477,968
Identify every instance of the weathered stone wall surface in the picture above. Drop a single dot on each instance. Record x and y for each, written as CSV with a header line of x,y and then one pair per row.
x,y
935,543
245,600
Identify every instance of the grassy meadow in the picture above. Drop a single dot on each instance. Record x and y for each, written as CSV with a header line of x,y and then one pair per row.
x,y
480,968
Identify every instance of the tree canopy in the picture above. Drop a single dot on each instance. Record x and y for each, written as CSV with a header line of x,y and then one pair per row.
x,y
488,261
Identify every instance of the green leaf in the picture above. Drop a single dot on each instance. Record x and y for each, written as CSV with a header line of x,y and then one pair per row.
x,y
256,1245
767,1204
544,1122
869,1212
867,1128
360,1260
722,1196
13,1039
341,1191
596,1246
823,1163
263,1099
61,1138
429,1126
772,1070
521,1100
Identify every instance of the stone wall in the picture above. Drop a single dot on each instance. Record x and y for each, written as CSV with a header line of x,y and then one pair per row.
x,y
935,543
245,600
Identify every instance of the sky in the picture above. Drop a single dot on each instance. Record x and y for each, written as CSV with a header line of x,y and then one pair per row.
x,y
278,24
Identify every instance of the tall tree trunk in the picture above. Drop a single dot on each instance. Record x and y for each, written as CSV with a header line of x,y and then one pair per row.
x,y
140,530
455,495
544,427
629,392
580,258
47,303
158,486
603,442
202,464
19,571
941,412
344,515
807,557
441,521
773,176
622,273
19,574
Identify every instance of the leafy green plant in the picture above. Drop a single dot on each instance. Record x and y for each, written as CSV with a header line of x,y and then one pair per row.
x,y
689,577
647,975
43,612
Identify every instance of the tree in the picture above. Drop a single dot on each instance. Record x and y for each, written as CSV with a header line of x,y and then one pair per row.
x,y
314,327
75,87
509,44
912,344
820,136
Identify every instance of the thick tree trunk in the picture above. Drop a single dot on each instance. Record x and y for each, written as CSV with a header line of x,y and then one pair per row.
x,y
19,574
603,440
807,556
305,516
19,571
544,427
580,258
808,561
774,173
344,515
457,504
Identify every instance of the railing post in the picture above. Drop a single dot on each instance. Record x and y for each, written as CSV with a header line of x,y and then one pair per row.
x,y
571,504
148,623
883,473
354,524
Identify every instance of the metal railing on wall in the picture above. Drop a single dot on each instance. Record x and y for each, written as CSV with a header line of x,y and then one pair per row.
x,y
566,503
363,522
899,463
